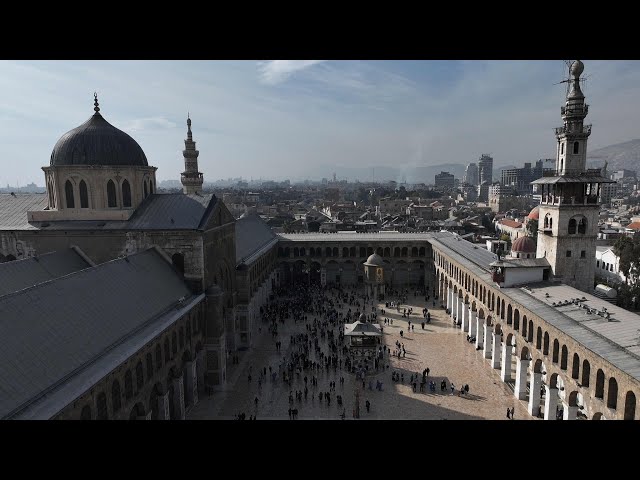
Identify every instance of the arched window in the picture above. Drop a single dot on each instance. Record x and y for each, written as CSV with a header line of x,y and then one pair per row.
x,y
126,194
582,226
128,385
178,261
150,187
561,148
150,366
556,351
68,193
612,394
102,407
139,375
572,226
575,367
576,147
158,357
174,343
146,190
84,195
530,332
564,358
546,221
116,397
600,384
167,350
111,194
586,373
545,344
539,338
345,251
85,414
630,406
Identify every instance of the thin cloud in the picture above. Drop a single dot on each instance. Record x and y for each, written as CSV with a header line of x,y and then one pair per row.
x,y
150,123
277,71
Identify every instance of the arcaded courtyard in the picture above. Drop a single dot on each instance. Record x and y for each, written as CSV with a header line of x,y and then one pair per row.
x,y
441,347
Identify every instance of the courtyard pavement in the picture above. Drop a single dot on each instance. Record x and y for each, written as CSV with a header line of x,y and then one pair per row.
x,y
441,347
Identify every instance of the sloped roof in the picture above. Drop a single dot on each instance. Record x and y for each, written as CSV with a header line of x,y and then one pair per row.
x,y
252,234
21,274
53,331
634,226
510,223
361,328
14,208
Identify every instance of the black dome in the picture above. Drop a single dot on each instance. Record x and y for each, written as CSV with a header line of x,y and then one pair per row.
x,y
97,142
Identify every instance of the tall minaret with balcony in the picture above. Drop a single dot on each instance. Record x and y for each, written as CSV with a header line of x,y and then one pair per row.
x,y
568,222
191,177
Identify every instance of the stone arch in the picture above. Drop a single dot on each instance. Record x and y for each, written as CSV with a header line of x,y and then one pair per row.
x,y
112,201
497,329
137,412
600,384
575,367
530,332
553,380
524,326
69,195
539,338
556,351
537,366
126,193
489,321
630,406
84,194
414,251
502,310
586,373
524,354
116,396
85,414
405,252
612,394
509,315
481,314
491,304
564,358
101,407
598,416
545,344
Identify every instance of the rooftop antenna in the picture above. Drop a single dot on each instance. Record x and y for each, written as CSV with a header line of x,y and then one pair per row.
x,y
583,79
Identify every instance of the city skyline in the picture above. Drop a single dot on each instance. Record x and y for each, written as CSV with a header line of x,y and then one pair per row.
x,y
291,119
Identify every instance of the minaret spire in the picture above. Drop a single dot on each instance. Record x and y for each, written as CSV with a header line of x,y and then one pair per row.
x,y
96,106
191,178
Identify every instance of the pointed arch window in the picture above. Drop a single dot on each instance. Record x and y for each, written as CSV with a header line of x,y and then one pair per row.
x,y
126,194
111,194
68,192
84,195
561,148
572,226
576,147
582,226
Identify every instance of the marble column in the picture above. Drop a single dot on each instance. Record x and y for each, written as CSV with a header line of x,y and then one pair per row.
x,y
487,341
534,393
480,329
520,390
569,413
505,373
550,402
495,351
473,321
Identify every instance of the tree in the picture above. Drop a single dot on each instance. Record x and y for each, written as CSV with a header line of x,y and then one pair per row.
x,y
628,251
532,226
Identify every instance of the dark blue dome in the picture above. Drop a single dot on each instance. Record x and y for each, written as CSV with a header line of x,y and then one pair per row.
x,y
97,142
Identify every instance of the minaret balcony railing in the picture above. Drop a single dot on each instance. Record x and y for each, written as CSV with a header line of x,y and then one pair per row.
x,y
575,110
586,130
565,200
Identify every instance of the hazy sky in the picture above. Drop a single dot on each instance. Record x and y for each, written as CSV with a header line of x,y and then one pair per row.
x,y
273,119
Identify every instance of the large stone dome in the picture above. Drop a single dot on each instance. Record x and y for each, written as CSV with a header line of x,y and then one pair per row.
x,y
375,260
523,245
97,142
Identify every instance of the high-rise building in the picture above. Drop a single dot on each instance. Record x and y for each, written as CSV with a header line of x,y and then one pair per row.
x,y
520,178
445,179
485,168
471,174
568,212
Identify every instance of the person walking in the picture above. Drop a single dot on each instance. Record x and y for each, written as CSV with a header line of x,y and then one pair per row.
x,y
509,413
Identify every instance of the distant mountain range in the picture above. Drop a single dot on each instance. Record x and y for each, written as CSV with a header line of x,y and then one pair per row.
x,y
620,156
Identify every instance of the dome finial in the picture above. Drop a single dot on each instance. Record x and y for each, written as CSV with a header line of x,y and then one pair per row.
x,y
96,108
188,126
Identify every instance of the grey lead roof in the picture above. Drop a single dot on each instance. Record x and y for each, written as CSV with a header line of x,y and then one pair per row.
x,y
164,211
21,274
55,330
252,234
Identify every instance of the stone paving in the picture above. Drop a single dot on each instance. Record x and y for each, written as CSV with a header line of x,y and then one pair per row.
x,y
441,347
